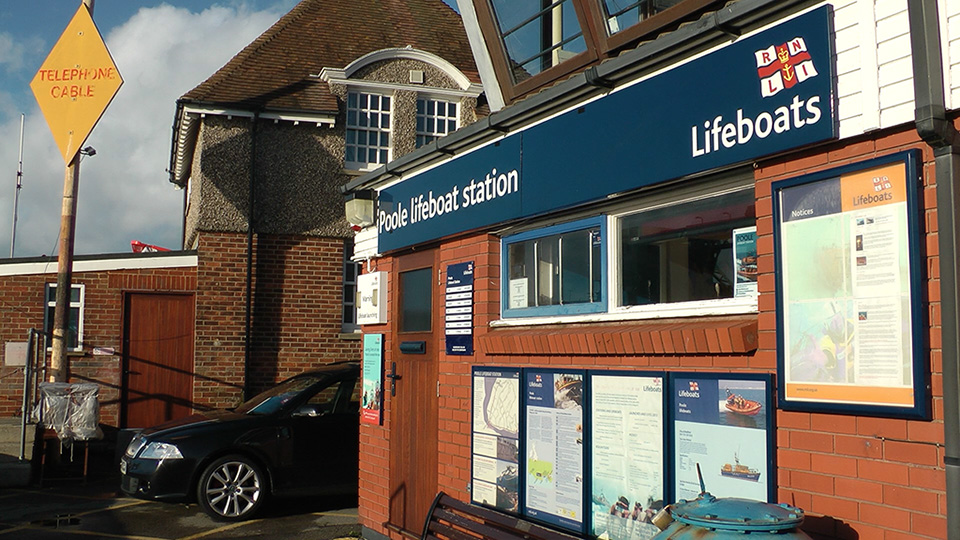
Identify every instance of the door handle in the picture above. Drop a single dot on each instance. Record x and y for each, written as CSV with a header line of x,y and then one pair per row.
x,y
392,375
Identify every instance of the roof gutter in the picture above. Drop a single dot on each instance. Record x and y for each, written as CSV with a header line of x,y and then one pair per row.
x,y
939,132
711,29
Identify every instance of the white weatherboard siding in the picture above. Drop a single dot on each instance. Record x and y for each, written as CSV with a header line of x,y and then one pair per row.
x,y
949,11
365,244
874,69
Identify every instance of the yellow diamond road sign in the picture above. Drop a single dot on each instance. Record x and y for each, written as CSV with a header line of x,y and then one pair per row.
x,y
76,83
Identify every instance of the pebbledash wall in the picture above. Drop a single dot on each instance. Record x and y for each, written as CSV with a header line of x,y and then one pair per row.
x,y
856,475
105,280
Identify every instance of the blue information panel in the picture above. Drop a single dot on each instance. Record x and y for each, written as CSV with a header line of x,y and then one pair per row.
x,y
723,433
458,311
496,438
851,334
553,408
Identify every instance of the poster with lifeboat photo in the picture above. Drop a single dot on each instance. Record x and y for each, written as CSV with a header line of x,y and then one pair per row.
x,y
722,431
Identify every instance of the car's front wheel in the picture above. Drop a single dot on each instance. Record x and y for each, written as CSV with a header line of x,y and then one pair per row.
x,y
232,488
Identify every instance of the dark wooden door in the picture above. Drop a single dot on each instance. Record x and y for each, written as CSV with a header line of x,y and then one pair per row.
x,y
413,418
157,358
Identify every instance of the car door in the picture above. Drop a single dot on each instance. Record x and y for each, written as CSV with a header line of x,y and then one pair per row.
x,y
324,438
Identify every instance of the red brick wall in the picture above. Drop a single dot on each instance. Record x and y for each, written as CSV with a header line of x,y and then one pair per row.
x,y
21,308
374,491
297,312
857,477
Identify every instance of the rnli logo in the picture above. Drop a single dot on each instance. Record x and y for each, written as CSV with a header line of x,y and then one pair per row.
x,y
694,386
784,66
881,183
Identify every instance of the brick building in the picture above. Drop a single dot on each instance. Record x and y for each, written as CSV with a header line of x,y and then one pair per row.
x,y
725,229
263,147
127,310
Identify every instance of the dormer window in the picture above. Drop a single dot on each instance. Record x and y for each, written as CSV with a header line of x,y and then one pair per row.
x,y
367,130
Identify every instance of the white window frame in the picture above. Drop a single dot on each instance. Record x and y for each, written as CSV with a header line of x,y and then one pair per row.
x,y
360,111
424,136
52,304
350,301
614,310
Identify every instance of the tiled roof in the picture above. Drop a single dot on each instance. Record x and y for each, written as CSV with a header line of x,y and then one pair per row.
x,y
274,71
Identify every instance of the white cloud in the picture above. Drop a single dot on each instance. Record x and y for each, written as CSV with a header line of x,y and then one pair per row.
x,y
162,52
12,53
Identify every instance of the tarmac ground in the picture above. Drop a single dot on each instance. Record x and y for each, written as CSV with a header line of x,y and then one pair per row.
x,y
68,505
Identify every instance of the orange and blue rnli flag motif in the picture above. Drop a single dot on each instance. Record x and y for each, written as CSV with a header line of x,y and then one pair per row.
x,y
783,66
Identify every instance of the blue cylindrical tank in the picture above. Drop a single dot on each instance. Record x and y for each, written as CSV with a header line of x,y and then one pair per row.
x,y
710,518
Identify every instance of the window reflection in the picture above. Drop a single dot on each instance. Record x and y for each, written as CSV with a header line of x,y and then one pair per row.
x,y
622,14
683,252
538,35
415,300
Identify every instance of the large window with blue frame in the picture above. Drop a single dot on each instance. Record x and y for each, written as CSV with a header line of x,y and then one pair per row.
x,y
558,270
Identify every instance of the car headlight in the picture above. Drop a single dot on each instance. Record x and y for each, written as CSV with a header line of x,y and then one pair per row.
x,y
135,445
160,450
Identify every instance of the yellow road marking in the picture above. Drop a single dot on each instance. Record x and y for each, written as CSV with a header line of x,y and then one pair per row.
x,y
97,534
219,529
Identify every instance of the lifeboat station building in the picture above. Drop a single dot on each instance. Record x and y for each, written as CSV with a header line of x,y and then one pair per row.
x,y
695,245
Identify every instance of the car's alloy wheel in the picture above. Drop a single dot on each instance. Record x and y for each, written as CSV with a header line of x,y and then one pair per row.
x,y
231,488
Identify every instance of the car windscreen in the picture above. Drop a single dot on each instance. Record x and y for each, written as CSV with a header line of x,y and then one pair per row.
x,y
275,398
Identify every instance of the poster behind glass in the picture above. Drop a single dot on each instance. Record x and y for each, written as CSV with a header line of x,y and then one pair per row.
x,y
723,425
627,454
554,448
372,398
848,309
496,438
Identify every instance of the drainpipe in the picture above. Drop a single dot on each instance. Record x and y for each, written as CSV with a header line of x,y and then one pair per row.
x,y
938,131
248,332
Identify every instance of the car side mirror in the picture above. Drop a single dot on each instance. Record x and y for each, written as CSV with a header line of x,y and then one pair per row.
x,y
308,410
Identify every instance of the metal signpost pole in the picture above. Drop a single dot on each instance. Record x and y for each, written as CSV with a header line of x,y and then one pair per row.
x,y
16,196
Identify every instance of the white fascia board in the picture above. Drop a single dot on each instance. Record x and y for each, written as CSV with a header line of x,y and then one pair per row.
x,y
473,90
481,55
295,117
189,127
99,265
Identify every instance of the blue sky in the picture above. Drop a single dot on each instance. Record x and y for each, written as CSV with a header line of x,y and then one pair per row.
x,y
162,48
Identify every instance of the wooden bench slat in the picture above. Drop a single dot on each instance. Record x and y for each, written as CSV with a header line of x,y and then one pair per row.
x,y
484,529
441,531
453,519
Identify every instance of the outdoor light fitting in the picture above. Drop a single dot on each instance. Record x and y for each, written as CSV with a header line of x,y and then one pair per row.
x,y
88,151
359,207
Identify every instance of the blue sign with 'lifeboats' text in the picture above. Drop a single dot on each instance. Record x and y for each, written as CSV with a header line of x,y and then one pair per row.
x,y
758,96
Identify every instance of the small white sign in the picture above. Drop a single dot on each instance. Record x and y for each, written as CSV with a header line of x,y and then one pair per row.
x,y
15,353
372,298
518,293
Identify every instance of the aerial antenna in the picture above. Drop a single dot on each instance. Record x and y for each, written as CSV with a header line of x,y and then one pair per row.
x,y
700,477
16,197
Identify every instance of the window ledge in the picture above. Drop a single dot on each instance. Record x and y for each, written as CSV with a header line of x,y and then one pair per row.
x,y
736,334
350,336
729,306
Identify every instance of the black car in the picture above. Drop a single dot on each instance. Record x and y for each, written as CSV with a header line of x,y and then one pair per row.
x,y
301,437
